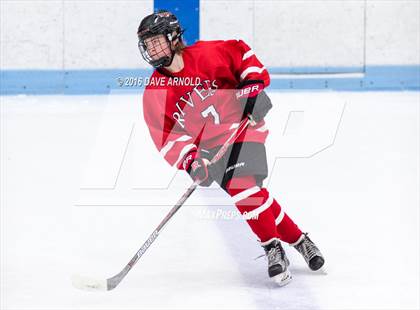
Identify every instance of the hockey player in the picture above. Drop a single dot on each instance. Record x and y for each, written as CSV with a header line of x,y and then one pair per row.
x,y
196,96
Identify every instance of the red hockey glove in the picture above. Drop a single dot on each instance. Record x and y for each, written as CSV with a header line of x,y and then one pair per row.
x,y
254,99
197,168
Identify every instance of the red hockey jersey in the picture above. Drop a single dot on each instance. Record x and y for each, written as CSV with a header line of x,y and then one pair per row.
x,y
196,108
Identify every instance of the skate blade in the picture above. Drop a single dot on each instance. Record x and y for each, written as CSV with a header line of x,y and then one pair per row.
x,y
323,270
283,279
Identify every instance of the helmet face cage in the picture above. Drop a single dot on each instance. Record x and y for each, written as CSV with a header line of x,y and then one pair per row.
x,y
158,49
161,23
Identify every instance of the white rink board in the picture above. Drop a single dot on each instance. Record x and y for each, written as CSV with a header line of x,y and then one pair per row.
x,y
91,34
358,198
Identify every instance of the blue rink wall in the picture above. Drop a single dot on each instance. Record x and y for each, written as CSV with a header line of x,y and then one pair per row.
x,y
375,78
73,82
372,66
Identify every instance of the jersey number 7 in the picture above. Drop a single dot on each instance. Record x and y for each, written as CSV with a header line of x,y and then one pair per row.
x,y
211,110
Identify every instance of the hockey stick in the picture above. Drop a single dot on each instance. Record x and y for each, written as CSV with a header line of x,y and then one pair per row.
x,y
111,283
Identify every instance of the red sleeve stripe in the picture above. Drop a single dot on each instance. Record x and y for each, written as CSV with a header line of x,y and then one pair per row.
x,y
251,70
170,144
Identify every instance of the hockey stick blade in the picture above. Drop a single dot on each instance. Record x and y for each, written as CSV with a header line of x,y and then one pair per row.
x,y
89,284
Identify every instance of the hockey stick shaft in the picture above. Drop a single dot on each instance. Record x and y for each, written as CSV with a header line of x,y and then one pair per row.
x,y
115,280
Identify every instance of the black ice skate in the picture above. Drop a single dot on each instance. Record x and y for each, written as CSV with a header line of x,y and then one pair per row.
x,y
309,251
277,262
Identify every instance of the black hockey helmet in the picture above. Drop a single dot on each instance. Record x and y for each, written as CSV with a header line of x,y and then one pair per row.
x,y
162,22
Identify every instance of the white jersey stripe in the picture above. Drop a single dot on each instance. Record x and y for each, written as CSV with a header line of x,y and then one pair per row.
x,y
251,70
184,151
246,193
170,144
261,129
254,213
234,126
280,217
248,54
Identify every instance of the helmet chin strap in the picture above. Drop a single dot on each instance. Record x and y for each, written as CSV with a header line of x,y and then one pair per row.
x,y
167,61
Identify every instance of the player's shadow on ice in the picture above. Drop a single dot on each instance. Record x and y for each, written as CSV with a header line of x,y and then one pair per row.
x,y
304,270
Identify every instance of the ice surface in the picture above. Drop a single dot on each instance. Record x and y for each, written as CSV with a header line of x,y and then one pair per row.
x,y
345,166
